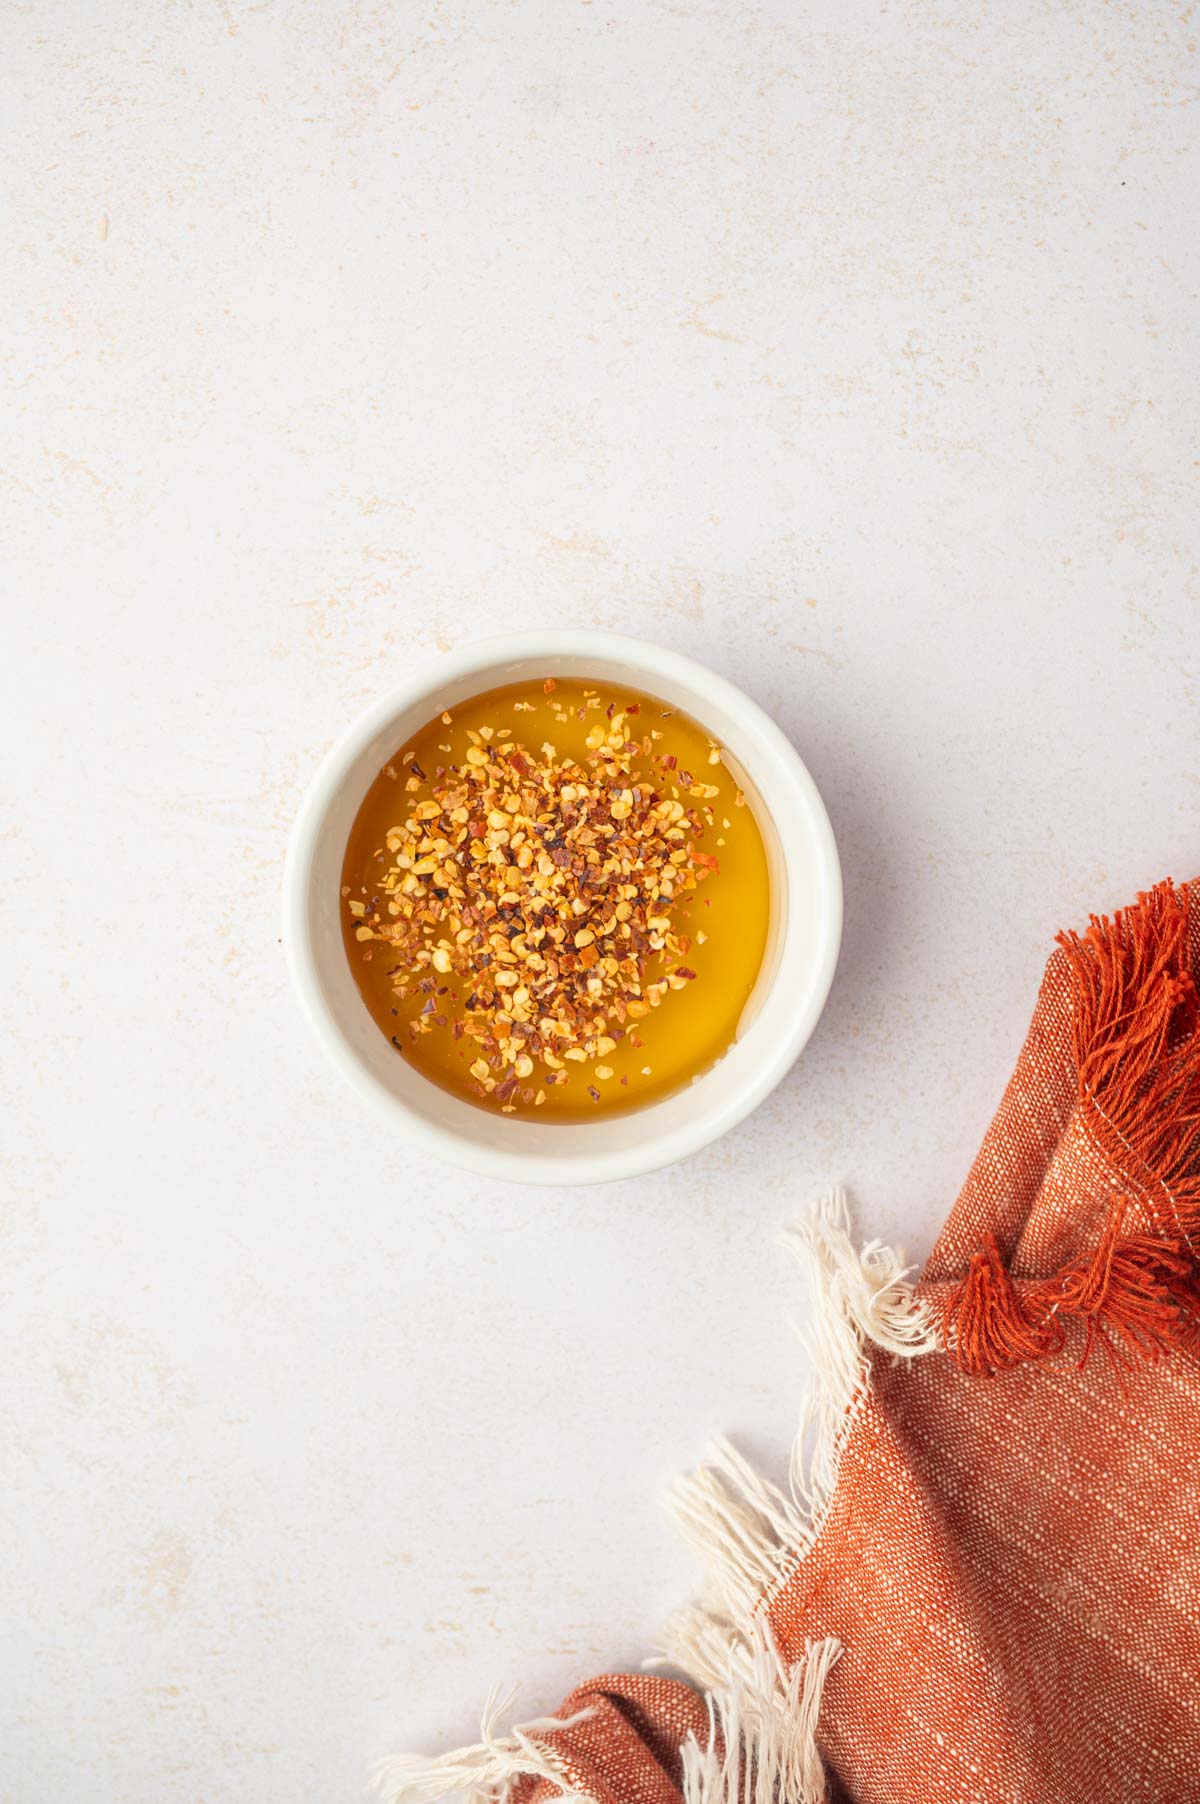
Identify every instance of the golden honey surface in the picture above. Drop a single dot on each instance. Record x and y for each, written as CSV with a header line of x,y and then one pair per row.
x,y
431,1016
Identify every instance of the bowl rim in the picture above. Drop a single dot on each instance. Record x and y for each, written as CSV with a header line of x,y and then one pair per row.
x,y
650,662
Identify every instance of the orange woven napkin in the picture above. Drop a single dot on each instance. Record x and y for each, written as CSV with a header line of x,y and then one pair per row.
x,y
985,1584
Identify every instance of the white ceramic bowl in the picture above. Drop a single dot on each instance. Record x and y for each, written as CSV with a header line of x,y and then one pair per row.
x,y
798,967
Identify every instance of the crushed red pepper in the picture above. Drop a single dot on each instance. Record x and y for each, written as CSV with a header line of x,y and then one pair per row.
x,y
548,888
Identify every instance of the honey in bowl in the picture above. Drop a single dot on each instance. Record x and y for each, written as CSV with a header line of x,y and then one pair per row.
x,y
555,900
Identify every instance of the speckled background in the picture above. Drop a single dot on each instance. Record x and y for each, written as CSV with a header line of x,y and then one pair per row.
x,y
850,347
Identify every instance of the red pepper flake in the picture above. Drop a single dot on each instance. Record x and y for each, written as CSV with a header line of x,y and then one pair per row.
x,y
558,899
634,708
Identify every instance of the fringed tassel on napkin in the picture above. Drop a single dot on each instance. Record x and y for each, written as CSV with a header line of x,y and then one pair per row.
x,y
748,1532
751,1534
1137,1053
486,1773
762,1746
762,1742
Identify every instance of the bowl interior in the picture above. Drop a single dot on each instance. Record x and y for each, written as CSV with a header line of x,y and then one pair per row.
x,y
789,993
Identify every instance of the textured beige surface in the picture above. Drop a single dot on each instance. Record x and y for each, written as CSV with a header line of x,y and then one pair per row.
x,y
850,347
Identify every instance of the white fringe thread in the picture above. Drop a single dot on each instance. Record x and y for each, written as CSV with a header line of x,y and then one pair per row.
x,y
484,1773
762,1746
752,1536
762,1742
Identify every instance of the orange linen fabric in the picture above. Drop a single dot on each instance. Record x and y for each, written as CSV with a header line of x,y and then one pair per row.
x,y
1011,1557
627,1751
